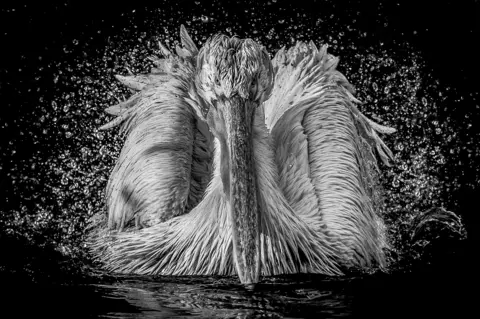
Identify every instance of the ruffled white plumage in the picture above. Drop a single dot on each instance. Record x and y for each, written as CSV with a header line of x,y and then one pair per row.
x,y
315,165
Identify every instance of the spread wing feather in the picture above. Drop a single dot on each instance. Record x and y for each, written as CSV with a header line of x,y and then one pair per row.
x,y
165,163
325,151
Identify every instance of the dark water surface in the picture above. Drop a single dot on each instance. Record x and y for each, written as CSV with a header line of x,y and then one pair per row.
x,y
376,296
414,67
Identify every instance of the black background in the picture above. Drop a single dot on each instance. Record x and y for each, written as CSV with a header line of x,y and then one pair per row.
x,y
447,33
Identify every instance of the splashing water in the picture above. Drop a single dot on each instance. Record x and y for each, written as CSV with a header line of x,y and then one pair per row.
x,y
60,184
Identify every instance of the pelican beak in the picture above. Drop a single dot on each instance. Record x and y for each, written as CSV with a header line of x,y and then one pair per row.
x,y
244,212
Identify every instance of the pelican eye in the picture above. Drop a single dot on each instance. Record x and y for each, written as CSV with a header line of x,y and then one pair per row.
x,y
254,89
214,105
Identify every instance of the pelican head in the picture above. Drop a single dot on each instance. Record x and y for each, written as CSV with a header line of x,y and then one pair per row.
x,y
229,67
234,77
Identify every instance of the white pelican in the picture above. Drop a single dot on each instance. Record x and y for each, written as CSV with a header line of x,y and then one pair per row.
x,y
235,163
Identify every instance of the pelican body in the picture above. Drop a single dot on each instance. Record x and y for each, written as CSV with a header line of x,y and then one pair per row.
x,y
236,163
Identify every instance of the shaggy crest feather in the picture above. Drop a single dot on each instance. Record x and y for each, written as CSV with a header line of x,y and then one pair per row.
x,y
316,172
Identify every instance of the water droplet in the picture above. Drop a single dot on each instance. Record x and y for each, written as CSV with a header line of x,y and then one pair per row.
x,y
424,101
85,152
395,182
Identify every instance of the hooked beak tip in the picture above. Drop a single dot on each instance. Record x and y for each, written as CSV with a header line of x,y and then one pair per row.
x,y
250,286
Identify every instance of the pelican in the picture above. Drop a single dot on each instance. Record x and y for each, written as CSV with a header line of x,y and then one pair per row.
x,y
234,163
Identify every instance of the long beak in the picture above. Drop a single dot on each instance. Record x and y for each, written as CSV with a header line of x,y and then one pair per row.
x,y
244,210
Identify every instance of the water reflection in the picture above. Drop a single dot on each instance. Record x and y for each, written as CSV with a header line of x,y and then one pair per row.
x,y
426,294
222,298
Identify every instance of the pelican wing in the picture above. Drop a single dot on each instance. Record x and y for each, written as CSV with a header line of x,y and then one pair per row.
x,y
325,151
165,164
